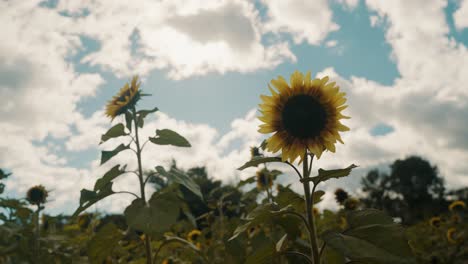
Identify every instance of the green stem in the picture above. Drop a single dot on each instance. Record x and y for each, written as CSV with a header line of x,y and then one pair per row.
x,y
310,216
38,233
142,183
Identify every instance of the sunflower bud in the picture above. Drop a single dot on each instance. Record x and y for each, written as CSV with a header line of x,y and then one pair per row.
x,y
255,152
37,195
435,222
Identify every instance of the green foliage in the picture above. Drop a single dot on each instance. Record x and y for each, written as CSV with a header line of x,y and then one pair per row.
x,y
259,160
157,215
115,131
107,155
325,175
179,177
169,137
103,243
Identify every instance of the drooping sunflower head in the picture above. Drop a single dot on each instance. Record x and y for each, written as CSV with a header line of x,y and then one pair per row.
x,y
193,235
127,98
435,221
457,205
37,195
264,180
341,196
305,114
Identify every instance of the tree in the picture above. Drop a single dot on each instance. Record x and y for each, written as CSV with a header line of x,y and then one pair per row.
x,y
413,190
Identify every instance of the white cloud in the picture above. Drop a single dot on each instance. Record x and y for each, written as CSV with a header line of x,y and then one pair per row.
x,y
350,4
460,16
331,43
309,21
187,38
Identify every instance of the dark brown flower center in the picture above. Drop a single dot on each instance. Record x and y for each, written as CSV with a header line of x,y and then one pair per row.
x,y
37,195
303,116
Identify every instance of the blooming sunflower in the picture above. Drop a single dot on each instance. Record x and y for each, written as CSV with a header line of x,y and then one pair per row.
x,y
127,97
37,195
457,205
264,180
435,221
303,115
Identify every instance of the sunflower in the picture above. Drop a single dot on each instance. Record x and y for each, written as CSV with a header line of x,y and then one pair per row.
x,y
457,205
435,221
303,115
351,203
126,99
452,236
193,235
37,195
264,180
341,196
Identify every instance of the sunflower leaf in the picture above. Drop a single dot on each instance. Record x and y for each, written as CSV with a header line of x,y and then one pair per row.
x,y
259,160
128,120
88,198
181,178
325,175
109,176
141,115
169,137
372,237
115,131
107,155
156,216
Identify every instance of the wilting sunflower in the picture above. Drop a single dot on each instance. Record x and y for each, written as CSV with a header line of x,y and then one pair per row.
x,y
303,115
457,205
37,195
127,98
435,221
264,179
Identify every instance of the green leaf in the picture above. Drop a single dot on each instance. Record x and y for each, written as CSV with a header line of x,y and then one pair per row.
x,y
115,131
109,176
280,243
107,155
357,249
169,137
179,177
325,175
259,160
286,197
128,120
103,243
247,181
318,196
89,198
141,115
372,237
156,216
365,217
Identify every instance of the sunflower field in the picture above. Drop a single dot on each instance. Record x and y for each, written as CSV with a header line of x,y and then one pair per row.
x,y
185,216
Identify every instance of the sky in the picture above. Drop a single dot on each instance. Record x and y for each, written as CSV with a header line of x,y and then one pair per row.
x,y
403,65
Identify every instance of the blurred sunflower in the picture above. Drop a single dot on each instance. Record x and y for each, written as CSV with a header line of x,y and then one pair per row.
x,y
264,180
37,195
303,115
126,99
452,236
193,237
341,196
351,203
255,152
435,221
457,205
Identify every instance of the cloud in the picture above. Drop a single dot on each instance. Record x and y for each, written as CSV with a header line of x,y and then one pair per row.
x,y
186,38
309,21
461,15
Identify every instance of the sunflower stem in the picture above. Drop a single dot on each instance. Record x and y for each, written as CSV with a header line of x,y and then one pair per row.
x,y
38,233
142,183
309,204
